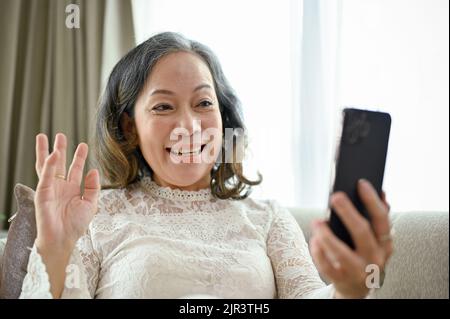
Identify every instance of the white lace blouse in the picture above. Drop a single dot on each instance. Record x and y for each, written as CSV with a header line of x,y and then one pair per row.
x,y
147,241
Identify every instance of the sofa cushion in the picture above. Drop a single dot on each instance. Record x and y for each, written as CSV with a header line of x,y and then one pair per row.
x,y
21,237
2,248
419,266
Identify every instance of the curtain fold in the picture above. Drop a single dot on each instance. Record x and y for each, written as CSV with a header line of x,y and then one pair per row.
x,y
315,102
50,78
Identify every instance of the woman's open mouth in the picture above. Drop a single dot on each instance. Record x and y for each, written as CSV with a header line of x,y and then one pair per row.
x,y
186,151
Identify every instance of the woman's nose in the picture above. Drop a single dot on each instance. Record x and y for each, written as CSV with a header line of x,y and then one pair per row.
x,y
189,122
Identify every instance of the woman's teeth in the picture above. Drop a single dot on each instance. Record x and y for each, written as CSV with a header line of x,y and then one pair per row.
x,y
180,152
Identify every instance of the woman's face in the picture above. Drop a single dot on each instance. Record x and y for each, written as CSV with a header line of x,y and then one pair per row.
x,y
178,103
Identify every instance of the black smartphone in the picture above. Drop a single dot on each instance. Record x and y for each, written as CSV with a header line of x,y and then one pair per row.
x,y
361,154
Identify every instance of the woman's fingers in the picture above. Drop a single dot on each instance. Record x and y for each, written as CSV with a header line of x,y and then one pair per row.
x,y
339,256
378,212
61,146
358,227
48,171
41,152
371,200
385,202
57,162
76,168
322,263
336,250
92,186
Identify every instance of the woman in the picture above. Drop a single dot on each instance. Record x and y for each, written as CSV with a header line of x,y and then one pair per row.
x,y
171,223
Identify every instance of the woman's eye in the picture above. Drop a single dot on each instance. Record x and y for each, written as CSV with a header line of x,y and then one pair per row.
x,y
162,107
205,104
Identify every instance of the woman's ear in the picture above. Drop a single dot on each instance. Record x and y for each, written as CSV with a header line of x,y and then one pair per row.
x,y
128,127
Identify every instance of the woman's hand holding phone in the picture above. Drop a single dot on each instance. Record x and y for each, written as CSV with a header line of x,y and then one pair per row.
x,y
344,267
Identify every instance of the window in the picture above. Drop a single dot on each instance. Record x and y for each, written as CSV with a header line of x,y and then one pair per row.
x,y
252,41
394,56
390,55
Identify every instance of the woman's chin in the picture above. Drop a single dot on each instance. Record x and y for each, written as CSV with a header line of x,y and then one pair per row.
x,y
185,175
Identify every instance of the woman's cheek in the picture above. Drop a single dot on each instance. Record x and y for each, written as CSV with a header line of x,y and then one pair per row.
x,y
152,137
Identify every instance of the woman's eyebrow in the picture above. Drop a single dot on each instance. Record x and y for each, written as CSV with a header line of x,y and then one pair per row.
x,y
202,86
168,92
162,91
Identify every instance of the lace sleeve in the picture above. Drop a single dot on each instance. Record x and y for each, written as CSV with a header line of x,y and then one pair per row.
x,y
81,274
295,273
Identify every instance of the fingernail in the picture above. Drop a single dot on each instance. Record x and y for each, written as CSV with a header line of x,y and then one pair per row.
x,y
364,182
336,200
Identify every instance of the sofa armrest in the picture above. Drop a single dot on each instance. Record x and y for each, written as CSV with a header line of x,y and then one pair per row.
x,y
418,267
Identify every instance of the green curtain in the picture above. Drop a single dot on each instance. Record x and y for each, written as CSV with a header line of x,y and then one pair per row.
x,y
50,78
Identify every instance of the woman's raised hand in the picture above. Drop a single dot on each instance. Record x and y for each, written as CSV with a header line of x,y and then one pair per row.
x,y
63,212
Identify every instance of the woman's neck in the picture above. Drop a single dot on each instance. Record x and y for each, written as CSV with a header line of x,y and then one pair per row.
x,y
198,185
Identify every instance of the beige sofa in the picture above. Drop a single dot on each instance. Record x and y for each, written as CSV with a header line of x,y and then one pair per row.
x,y
419,266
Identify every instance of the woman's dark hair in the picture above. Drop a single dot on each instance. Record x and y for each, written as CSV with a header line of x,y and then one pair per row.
x,y
119,156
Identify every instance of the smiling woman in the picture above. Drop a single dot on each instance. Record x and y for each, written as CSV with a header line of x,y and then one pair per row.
x,y
171,224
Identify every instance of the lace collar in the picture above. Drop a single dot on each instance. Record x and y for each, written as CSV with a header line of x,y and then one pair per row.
x,y
175,194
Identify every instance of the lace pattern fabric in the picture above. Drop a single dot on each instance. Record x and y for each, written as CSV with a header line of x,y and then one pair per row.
x,y
148,241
